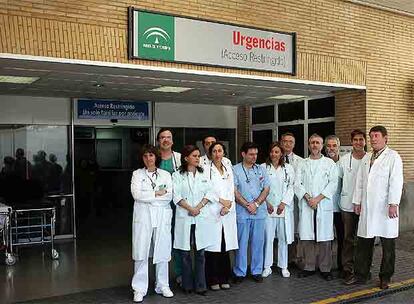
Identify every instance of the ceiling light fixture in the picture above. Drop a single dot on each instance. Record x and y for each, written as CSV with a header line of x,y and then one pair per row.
x,y
287,97
167,89
18,79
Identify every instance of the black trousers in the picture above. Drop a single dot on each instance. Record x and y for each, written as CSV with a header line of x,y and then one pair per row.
x,y
218,267
339,229
363,258
350,221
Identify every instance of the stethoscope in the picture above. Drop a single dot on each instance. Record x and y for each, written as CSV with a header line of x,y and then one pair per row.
x,y
245,173
225,175
174,162
153,185
286,180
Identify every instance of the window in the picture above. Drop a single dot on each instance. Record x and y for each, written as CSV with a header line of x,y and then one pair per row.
x,y
319,108
291,111
302,118
264,139
262,115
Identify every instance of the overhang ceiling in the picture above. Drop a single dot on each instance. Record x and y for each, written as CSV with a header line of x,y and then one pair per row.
x,y
80,80
405,6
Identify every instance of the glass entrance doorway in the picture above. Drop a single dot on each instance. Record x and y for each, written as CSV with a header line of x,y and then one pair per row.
x,y
105,158
37,168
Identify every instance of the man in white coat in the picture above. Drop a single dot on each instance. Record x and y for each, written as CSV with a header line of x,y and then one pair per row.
x,y
151,189
288,142
348,169
315,185
332,145
376,199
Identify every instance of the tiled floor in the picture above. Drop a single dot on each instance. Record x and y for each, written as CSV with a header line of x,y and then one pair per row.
x,y
98,270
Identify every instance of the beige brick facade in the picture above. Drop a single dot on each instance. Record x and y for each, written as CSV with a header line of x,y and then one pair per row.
x,y
337,41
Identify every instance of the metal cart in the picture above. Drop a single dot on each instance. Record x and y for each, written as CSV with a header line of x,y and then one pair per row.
x,y
5,231
31,226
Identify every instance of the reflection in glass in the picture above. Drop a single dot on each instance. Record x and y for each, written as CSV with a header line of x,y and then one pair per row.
x,y
36,166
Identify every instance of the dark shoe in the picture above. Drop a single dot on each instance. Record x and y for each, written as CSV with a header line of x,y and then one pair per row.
x,y
347,276
305,274
384,284
257,278
201,292
237,280
327,276
187,291
353,280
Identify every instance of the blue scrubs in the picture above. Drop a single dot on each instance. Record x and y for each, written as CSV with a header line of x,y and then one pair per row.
x,y
250,183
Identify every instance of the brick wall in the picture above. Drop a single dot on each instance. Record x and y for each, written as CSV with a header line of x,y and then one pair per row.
x,y
338,41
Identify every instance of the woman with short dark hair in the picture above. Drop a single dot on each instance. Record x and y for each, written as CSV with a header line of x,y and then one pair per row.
x,y
151,189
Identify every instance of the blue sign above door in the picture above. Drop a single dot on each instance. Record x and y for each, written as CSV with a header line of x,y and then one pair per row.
x,y
112,109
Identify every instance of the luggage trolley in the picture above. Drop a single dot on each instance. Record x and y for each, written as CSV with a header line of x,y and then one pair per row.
x,y
31,226
5,231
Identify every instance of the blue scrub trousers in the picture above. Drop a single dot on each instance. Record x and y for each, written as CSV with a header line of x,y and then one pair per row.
x,y
252,230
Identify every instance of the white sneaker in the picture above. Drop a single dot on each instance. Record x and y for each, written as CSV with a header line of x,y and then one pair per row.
x,y
138,297
266,272
165,292
285,273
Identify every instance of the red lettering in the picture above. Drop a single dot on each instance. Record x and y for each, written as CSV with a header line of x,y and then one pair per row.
x,y
236,37
250,42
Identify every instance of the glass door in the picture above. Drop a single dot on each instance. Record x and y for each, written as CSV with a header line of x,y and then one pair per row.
x,y
37,166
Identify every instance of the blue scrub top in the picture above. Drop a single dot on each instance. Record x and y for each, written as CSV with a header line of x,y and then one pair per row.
x,y
250,183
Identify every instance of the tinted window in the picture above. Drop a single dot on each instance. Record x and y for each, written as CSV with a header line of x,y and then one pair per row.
x,y
323,129
291,111
318,108
261,115
264,139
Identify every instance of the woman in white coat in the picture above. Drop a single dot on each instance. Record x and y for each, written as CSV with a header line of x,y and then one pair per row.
x,y
151,189
280,221
193,219
223,209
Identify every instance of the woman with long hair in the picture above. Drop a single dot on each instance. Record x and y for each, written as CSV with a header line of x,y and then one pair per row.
x,y
280,220
151,189
223,209
193,220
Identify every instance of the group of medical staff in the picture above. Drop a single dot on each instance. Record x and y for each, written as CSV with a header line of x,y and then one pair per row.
x,y
197,209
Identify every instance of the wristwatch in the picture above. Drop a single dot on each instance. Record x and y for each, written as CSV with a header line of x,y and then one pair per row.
x,y
256,204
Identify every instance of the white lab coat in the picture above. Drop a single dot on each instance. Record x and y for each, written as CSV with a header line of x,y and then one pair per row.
x,y
348,169
375,189
295,160
281,190
337,196
222,187
176,160
192,189
324,181
205,161
151,212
